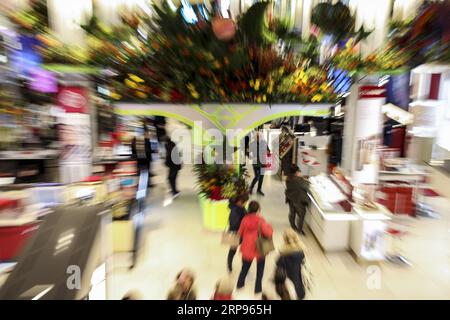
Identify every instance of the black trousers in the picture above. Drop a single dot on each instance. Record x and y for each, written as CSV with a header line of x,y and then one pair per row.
x,y
259,273
259,177
230,257
173,172
296,279
297,216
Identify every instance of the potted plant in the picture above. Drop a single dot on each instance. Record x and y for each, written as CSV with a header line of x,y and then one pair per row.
x,y
216,184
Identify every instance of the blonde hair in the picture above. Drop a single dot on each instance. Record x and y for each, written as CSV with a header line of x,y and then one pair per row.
x,y
292,240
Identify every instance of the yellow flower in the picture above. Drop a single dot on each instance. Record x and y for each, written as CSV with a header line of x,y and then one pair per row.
x,y
193,91
349,43
115,96
316,98
130,84
264,98
251,83
135,78
141,94
324,86
257,84
216,64
269,90
259,99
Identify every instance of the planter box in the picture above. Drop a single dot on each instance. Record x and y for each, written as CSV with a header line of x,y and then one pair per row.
x,y
215,214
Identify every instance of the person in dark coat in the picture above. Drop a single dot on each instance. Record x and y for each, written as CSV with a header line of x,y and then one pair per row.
x,y
141,151
173,162
260,149
237,213
296,193
289,263
160,124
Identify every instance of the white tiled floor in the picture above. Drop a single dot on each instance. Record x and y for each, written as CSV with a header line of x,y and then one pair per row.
x,y
174,238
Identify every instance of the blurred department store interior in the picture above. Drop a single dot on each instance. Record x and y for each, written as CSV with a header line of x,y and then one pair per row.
x,y
345,103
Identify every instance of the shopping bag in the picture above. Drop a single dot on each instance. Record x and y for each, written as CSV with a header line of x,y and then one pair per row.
x,y
264,245
231,238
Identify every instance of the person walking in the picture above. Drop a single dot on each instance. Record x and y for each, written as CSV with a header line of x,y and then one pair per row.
x,y
251,225
296,193
260,147
237,213
173,162
184,286
289,264
142,153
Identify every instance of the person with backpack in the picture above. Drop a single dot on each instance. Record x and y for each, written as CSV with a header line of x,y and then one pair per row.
x,y
252,227
289,265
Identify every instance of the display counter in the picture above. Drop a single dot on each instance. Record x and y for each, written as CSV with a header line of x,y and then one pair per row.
x,y
328,219
340,224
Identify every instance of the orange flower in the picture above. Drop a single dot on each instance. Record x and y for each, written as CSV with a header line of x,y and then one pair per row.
x,y
155,45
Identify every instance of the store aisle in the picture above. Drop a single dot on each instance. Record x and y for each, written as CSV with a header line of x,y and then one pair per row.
x,y
174,239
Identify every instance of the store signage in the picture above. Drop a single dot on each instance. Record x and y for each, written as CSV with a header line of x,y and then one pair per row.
x,y
72,99
43,81
372,92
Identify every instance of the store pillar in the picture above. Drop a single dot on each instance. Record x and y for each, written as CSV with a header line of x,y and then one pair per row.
x,y
363,125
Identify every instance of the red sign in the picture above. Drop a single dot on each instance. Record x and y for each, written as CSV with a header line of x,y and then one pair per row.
x,y
372,92
72,99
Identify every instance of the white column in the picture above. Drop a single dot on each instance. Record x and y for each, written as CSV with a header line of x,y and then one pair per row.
x,y
306,21
372,15
405,9
65,18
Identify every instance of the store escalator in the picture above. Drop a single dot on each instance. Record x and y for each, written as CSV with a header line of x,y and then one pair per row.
x,y
61,257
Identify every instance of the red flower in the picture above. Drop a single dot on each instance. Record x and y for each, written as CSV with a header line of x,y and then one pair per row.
x,y
176,96
156,92
216,193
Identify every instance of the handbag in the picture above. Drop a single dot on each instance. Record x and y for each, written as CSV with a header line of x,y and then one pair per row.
x,y
231,238
263,245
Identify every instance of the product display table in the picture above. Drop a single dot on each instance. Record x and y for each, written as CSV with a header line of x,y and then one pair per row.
x,y
368,232
401,169
328,221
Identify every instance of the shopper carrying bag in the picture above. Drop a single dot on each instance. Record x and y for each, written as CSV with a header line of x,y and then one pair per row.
x,y
232,237
253,227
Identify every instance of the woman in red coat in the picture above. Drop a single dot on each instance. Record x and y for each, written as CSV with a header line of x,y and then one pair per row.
x,y
249,233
